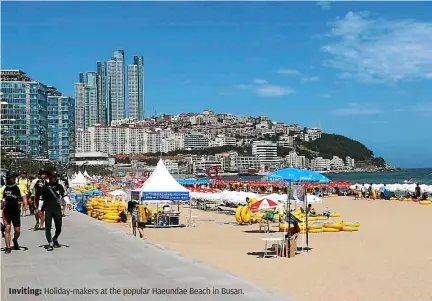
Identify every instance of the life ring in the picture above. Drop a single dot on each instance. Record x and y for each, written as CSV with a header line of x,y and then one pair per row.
x,y
425,202
335,214
321,218
238,215
349,229
331,230
213,172
245,214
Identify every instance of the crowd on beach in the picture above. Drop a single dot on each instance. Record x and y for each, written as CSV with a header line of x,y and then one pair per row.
x,y
368,192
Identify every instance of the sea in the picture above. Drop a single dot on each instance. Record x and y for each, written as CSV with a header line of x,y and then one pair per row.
x,y
415,175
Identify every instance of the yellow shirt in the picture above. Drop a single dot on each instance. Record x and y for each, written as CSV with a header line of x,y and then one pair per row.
x,y
2,189
24,184
141,216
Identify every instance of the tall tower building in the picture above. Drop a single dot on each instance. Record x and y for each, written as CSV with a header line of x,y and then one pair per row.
x,y
86,100
24,121
135,88
116,86
79,93
102,92
61,126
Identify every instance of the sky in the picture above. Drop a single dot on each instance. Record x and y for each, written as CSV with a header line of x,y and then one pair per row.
x,y
359,69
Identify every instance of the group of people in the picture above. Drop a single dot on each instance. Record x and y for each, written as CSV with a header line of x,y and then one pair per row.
x,y
369,193
46,196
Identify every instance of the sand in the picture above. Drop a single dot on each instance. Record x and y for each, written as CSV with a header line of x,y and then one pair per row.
x,y
389,258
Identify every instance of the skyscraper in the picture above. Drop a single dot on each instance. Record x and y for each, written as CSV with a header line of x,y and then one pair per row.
x,y
79,92
86,97
135,87
116,86
61,126
24,113
102,92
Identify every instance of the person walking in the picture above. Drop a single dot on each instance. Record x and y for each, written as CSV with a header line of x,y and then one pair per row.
x,y
51,204
65,183
37,185
24,184
11,195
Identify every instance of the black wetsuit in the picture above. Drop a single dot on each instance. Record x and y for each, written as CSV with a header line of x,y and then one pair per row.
x,y
51,196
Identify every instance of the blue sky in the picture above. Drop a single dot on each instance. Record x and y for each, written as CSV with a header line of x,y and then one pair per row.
x,y
361,69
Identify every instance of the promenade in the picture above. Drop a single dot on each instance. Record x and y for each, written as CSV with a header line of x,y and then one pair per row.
x,y
96,262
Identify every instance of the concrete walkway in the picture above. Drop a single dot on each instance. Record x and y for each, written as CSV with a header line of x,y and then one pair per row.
x,y
96,257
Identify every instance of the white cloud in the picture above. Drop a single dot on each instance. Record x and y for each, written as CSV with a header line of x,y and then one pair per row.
x,y
325,5
272,91
379,50
260,81
310,79
288,72
356,109
428,75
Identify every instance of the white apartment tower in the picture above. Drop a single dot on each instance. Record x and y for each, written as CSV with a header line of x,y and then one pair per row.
x,y
116,86
267,152
135,88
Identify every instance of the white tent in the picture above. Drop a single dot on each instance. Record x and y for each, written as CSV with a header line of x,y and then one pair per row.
x,y
79,180
86,174
161,185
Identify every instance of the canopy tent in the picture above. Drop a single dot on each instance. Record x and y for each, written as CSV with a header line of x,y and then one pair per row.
x,y
79,180
86,174
297,175
162,186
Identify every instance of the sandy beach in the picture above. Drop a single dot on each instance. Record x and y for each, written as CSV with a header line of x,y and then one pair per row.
x,y
389,258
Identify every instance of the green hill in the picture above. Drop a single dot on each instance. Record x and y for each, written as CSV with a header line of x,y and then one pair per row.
x,y
330,145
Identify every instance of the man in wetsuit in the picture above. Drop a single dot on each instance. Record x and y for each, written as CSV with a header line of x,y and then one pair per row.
x,y
11,195
50,203
38,185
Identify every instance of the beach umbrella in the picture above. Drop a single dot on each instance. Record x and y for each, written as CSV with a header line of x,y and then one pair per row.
x,y
263,204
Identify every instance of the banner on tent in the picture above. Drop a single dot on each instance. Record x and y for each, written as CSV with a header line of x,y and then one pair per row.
x,y
172,196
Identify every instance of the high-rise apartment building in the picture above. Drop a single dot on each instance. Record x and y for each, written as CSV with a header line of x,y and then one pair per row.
x,y
116,86
23,113
86,96
79,92
135,88
102,92
61,126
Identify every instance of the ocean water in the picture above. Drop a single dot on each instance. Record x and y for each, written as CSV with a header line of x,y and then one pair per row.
x,y
418,175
